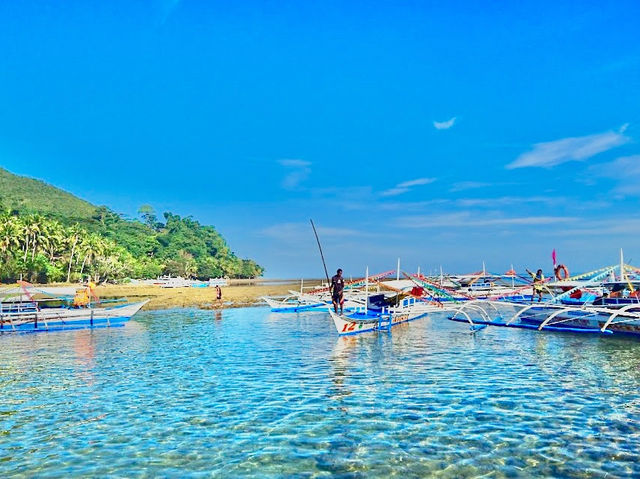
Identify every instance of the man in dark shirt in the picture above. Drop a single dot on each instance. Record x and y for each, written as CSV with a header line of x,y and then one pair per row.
x,y
337,291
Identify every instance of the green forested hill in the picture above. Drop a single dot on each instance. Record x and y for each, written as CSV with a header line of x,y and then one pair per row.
x,y
48,235
28,195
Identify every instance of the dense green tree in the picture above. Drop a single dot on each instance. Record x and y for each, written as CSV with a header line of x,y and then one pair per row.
x,y
37,248
148,215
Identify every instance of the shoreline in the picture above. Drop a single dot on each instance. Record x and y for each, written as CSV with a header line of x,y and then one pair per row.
x,y
237,294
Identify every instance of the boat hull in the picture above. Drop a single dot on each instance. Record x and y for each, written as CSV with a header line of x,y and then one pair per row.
x,y
581,321
291,306
361,323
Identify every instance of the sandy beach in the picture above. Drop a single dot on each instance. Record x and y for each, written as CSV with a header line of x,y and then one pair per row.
x,y
237,294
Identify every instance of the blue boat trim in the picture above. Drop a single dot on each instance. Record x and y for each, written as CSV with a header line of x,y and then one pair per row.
x,y
534,327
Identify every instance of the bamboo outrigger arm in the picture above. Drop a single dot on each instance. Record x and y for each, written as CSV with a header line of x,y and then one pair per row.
x,y
619,312
519,313
473,307
462,311
553,315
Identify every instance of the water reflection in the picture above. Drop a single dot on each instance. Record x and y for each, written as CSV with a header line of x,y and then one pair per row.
x,y
260,394
340,361
85,350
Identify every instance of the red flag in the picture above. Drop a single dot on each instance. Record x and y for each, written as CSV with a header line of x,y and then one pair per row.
x,y
553,257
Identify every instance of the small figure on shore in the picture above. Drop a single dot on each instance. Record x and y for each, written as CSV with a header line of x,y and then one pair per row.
x,y
538,284
218,293
337,291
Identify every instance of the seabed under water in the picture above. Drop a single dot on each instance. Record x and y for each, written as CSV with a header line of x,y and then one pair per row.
x,y
245,392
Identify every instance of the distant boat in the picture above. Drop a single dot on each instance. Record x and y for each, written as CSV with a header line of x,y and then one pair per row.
x,y
179,282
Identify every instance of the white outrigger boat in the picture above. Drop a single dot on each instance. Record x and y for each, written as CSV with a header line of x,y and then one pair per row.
x,y
296,302
361,322
557,317
319,298
57,319
597,302
367,319
30,309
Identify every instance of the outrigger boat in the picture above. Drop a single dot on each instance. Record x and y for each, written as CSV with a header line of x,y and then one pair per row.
x,y
597,302
368,320
295,302
480,285
551,317
319,298
57,319
30,309
381,312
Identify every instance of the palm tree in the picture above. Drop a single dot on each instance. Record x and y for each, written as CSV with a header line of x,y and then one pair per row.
x,y
9,231
74,234
36,233
53,239
92,245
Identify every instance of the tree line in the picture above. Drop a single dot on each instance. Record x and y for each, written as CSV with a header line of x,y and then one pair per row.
x,y
108,247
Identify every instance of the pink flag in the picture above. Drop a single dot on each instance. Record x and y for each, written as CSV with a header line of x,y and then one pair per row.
x,y
553,257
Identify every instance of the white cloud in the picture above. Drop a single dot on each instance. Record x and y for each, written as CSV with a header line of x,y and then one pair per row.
x,y
416,182
406,186
444,125
468,219
299,170
579,148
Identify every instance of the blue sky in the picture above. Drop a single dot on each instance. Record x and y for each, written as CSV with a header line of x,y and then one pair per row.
x,y
444,133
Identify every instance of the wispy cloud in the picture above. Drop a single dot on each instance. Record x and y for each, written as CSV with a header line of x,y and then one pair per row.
x,y
444,125
579,148
503,201
298,171
166,8
468,219
626,170
294,232
612,228
468,185
406,186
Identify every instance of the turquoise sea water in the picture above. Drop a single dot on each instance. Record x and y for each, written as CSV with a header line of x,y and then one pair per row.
x,y
189,393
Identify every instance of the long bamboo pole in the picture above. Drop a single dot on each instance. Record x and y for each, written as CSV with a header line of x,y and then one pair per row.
x,y
326,273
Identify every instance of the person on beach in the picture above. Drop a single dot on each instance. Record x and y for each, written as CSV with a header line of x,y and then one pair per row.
x,y
538,284
218,293
337,291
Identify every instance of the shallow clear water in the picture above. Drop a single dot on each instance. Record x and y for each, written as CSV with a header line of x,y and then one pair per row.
x,y
249,393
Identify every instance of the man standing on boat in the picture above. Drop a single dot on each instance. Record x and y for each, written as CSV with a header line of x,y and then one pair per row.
x,y
538,284
337,291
